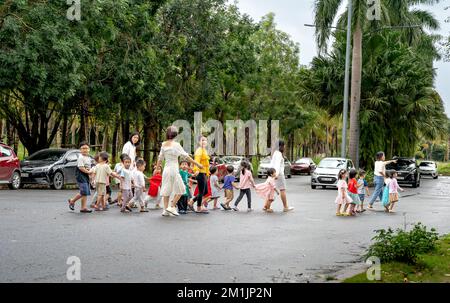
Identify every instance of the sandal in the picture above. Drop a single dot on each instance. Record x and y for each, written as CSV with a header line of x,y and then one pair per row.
x,y
87,211
145,210
203,211
71,205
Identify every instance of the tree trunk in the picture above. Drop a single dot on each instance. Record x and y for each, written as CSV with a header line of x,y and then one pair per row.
x,y
1,130
64,130
105,139
114,141
355,95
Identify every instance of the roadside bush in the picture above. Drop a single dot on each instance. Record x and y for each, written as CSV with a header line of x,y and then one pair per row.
x,y
403,246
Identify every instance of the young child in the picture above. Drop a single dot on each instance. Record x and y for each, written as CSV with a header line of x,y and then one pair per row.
x,y
385,199
182,204
215,187
82,176
267,190
342,196
139,185
102,172
246,181
117,168
153,195
393,191
353,193
363,190
228,184
125,184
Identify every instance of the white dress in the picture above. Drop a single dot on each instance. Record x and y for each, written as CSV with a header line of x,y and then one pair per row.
x,y
130,150
172,183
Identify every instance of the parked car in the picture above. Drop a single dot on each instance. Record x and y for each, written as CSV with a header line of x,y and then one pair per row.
x,y
303,166
9,167
235,161
264,164
221,167
326,173
428,168
54,167
407,171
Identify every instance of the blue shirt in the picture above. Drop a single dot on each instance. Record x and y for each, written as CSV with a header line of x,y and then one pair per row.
x,y
227,182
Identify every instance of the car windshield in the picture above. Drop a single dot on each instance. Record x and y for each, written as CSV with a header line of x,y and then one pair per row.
x,y
401,164
332,163
302,161
232,159
266,160
47,155
426,164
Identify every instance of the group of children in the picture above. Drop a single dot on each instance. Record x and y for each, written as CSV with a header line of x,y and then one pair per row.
x,y
129,175
350,197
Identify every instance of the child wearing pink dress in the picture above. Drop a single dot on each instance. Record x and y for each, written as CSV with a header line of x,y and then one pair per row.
x,y
342,196
267,190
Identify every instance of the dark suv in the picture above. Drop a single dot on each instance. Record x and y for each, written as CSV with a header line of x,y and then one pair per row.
x,y
407,171
9,167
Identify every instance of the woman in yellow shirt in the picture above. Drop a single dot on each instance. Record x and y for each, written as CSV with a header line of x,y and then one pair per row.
x,y
201,156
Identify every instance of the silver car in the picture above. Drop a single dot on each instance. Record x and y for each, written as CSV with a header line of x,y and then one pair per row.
x,y
264,164
429,168
326,173
235,161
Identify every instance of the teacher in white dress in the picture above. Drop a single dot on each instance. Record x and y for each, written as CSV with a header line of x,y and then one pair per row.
x,y
172,183
130,148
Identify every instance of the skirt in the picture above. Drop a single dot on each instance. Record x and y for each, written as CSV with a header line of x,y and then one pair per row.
x,y
172,183
355,198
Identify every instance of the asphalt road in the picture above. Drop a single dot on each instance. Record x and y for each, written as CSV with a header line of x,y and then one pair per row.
x,y
38,233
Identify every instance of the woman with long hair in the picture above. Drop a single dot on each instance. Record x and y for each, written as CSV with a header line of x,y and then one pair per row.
x,y
172,183
277,163
201,173
130,148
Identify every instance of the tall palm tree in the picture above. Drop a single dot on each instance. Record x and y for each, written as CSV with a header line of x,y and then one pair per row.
x,y
393,12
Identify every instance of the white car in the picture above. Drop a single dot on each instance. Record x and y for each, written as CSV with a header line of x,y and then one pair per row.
x,y
235,161
264,164
429,168
326,173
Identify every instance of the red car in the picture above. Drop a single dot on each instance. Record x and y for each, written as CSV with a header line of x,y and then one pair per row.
x,y
221,167
303,166
9,167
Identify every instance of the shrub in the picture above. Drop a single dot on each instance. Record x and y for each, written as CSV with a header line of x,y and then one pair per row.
x,y
401,245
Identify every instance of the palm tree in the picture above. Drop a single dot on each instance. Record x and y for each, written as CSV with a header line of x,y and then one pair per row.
x,y
393,12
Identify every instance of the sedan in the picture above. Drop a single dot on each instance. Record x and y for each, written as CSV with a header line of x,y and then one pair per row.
x,y
235,161
303,166
53,167
9,167
264,164
429,168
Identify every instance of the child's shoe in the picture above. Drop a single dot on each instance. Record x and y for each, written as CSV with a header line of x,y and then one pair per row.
x,y
288,209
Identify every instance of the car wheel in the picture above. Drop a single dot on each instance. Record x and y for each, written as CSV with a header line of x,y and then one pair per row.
x,y
414,185
313,186
289,176
15,181
435,177
259,176
58,181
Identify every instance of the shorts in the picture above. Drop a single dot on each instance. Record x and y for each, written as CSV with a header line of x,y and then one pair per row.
x,y
361,197
280,183
85,188
229,194
101,189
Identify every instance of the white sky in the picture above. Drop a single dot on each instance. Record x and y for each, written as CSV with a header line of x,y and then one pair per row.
x,y
291,15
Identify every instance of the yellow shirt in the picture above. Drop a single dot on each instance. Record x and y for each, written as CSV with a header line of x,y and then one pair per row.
x,y
201,156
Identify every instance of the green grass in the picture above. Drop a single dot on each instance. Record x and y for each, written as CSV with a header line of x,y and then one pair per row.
x,y
444,168
432,267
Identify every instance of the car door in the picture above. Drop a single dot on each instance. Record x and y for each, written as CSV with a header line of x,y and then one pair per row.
x,y
70,165
6,163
